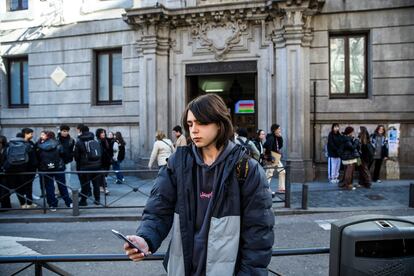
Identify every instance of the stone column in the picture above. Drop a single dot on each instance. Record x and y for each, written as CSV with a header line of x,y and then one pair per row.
x,y
292,38
153,48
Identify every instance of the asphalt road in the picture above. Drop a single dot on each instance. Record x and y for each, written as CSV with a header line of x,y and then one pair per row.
x,y
295,231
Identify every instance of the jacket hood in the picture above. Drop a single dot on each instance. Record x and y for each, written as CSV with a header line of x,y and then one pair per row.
x,y
86,136
48,144
231,150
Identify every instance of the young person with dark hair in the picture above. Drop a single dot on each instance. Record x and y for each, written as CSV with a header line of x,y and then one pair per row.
x,y
380,142
367,155
4,188
215,198
274,143
107,154
68,145
349,155
88,158
23,184
119,156
259,141
333,147
50,155
245,142
180,140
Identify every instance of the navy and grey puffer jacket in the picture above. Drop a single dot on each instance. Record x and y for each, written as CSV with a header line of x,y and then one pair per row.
x,y
240,236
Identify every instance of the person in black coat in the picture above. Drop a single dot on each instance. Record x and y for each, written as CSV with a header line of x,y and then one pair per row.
x,y
349,154
366,157
333,147
380,143
107,155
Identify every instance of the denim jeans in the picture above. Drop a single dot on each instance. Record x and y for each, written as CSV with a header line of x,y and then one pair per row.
x,y
116,166
48,180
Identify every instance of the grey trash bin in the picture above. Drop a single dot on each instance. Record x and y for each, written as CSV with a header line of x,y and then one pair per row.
x,y
372,245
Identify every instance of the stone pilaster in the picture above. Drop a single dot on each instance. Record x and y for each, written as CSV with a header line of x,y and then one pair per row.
x,y
153,47
291,37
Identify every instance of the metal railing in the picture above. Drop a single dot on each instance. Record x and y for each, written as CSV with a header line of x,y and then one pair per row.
x,y
77,192
44,261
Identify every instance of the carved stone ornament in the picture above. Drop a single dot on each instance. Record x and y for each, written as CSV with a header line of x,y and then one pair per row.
x,y
219,37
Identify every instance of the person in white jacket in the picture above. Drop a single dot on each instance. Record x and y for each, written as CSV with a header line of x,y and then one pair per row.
x,y
163,148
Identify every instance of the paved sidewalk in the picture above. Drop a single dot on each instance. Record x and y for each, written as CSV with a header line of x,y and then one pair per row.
x,y
129,198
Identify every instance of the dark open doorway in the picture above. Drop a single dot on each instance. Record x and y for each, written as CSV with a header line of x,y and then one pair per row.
x,y
238,90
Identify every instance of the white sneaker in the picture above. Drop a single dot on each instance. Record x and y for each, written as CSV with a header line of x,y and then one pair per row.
x,y
379,181
53,209
71,205
35,197
30,206
24,206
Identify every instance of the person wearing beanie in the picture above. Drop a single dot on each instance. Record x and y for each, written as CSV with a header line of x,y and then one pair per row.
x,y
349,152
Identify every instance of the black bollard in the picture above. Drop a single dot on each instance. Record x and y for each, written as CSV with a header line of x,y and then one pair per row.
x,y
287,185
305,189
75,203
411,196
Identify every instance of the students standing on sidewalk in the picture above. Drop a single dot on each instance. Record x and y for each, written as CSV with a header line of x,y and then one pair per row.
x,y
88,158
380,142
50,156
274,143
349,155
334,160
119,156
68,145
215,198
107,154
367,154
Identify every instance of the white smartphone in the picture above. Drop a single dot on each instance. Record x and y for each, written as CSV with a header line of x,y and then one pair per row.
x,y
131,244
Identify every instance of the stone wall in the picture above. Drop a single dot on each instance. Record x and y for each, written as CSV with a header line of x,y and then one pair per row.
x,y
390,71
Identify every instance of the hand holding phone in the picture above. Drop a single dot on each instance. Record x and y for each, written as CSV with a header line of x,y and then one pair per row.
x,y
131,244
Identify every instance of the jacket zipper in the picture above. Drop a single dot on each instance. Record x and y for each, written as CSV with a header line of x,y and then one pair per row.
x,y
189,204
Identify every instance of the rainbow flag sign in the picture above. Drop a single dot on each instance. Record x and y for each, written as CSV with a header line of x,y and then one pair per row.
x,y
244,107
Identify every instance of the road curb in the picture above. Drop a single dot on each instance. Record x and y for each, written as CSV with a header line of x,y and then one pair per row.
x,y
135,217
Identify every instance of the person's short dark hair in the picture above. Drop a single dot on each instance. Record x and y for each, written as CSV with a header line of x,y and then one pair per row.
x,y
209,109
50,134
27,130
64,127
84,129
99,131
242,132
178,129
348,130
79,126
274,127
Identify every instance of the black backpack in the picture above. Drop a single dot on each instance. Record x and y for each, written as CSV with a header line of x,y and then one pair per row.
x,y
93,151
16,155
50,160
247,146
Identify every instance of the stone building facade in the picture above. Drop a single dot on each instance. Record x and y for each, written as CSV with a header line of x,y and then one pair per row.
x,y
303,64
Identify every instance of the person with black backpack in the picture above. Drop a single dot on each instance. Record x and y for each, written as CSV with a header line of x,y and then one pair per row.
x,y
4,188
50,155
119,156
21,158
212,198
88,154
250,147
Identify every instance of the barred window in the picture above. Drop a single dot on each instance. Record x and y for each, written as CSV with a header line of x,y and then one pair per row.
x,y
18,82
348,65
109,77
